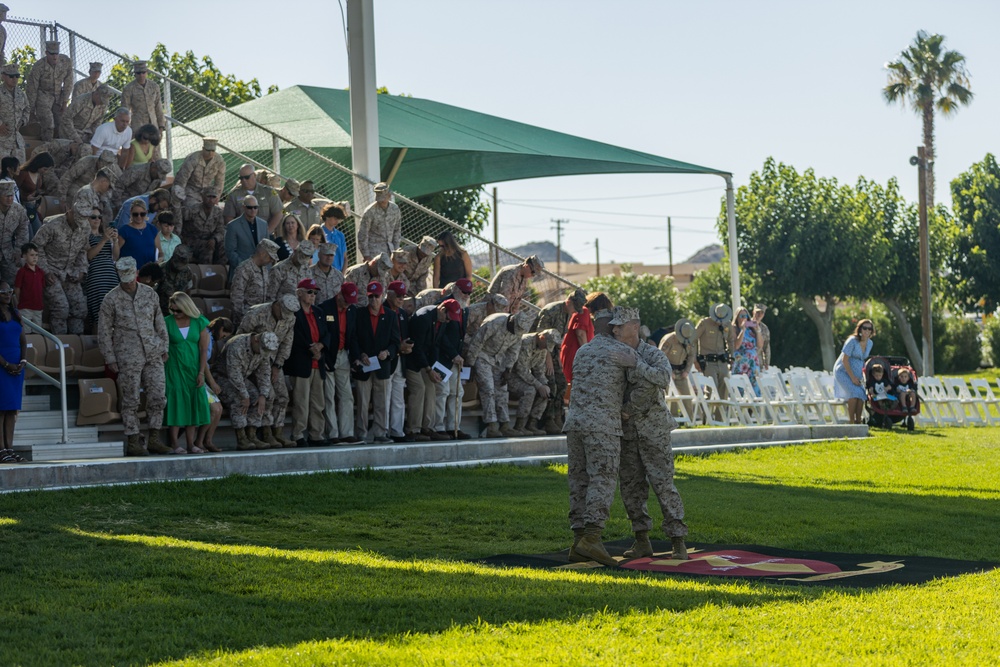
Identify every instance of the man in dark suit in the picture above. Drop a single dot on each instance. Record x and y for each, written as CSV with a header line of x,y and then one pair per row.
x,y
448,395
306,365
244,233
375,346
395,293
340,315
426,328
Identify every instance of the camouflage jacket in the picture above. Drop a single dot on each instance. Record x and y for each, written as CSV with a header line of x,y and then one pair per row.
x,y
55,80
553,316
14,109
416,270
645,405
509,282
493,344
83,116
598,391
202,225
285,277
379,230
62,248
259,319
329,283
175,279
195,174
131,327
238,364
530,365
13,234
249,287
145,103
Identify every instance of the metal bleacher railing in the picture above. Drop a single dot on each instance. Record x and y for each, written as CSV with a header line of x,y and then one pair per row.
x,y
191,116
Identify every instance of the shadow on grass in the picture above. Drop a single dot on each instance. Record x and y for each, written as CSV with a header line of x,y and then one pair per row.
x,y
88,581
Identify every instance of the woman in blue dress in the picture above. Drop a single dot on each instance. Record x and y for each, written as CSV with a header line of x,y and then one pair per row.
x,y
746,348
13,349
849,382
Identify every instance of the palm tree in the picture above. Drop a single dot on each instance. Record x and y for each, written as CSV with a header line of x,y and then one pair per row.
x,y
928,77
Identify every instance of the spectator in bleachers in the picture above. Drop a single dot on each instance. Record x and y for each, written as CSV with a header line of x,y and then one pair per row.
x,y
419,258
315,236
376,342
186,372
143,98
286,275
102,277
62,253
139,179
13,112
340,314
150,275
452,263
167,238
138,239
29,286
156,202
14,229
268,204
306,367
244,375
529,382
85,113
48,88
327,277
394,294
177,273
114,136
133,339
91,83
200,170
84,171
850,383
244,233
204,228
380,228
97,194
9,166
332,215
220,330
292,234
145,148
13,349
249,286
512,280
426,325
492,354
364,273
305,207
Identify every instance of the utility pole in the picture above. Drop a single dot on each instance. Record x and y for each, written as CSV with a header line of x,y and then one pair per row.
x,y
920,161
559,222
597,251
670,245
494,253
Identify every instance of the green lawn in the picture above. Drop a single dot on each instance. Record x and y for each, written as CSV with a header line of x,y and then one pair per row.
x,y
368,567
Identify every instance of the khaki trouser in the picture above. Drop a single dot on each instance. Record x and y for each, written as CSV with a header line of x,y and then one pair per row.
x,y
445,395
420,404
307,406
373,394
339,399
397,403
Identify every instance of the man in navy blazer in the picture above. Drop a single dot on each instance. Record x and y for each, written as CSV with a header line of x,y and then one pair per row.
x,y
306,365
340,314
376,341
243,234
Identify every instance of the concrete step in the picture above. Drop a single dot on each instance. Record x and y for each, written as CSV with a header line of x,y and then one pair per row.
x,y
35,403
70,451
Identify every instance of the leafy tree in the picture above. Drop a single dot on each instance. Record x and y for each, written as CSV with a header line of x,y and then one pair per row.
x,y
808,237
975,264
928,77
655,296
24,57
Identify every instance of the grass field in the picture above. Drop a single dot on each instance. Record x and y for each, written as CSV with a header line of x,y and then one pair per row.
x,y
368,567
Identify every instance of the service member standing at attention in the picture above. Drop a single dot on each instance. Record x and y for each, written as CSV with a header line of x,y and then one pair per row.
x,y
713,338
143,98
678,346
13,113
133,339
50,83
62,243
265,198
593,437
90,84
200,170
646,453
380,228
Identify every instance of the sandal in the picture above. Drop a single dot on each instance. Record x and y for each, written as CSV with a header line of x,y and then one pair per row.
x,y
196,450
179,450
10,456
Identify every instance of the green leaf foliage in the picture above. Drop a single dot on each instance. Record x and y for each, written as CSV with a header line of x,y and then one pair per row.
x,y
975,263
655,296
464,206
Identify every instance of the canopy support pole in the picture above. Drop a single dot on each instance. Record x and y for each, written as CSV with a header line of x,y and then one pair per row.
x,y
364,99
734,260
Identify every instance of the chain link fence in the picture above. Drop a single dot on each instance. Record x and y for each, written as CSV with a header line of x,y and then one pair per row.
x,y
192,116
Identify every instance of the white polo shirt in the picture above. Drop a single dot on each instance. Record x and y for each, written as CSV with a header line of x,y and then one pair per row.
x,y
107,138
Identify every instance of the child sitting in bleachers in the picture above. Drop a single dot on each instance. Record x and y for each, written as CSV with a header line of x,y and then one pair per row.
x,y
879,388
905,389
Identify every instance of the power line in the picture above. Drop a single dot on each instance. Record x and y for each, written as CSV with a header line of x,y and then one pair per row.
x,y
618,213
661,194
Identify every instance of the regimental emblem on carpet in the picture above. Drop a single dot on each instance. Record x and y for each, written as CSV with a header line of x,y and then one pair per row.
x,y
768,564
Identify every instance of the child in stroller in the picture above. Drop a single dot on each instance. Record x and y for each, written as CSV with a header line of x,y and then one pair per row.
x,y
892,391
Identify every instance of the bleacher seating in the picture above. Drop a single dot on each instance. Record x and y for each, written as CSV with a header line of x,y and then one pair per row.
x,y
98,402
210,280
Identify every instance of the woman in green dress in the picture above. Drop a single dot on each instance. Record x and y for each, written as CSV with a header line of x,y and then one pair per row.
x,y
187,403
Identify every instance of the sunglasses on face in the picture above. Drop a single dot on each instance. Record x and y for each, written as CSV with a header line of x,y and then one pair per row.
x,y
310,291
246,178
6,291
252,208
13,76
176,311
94,217
867,328
139,214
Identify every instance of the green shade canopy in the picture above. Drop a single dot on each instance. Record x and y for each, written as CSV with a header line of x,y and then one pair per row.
x,y
446,147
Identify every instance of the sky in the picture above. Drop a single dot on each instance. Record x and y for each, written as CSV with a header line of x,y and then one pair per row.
x,y
723,84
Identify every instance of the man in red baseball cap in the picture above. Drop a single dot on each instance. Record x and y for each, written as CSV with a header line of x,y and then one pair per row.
x,y
375,347
306,365
340,315
395,292
448,396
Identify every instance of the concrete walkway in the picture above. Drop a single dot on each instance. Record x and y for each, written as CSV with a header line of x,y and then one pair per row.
x,y
102,472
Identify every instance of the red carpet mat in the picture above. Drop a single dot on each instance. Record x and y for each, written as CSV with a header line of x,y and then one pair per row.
x,y
747,561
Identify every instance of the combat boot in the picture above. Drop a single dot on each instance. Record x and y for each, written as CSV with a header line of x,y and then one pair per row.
x,y
590,547
519,425
680,549
493,430
255,440
641,548
268,437
242,442
133,446
280,437
154,444
551,427
509,431
574,557
534,428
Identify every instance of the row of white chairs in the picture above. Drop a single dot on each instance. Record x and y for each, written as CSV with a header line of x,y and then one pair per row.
x,y
950,401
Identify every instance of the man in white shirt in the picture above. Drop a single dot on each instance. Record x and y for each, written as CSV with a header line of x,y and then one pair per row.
x,y
114,136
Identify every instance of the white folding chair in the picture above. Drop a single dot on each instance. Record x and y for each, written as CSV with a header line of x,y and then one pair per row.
x,y
838,406
971,407
944,410
814,407
786,409
712,403
676,404
754,410
991,404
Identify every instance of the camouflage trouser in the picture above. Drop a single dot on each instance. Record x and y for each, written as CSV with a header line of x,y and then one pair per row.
x,y
593,474
529,403
647,456
12,145
239,416
67,307
277,403
492,392
201,252
48,110
554,408
137,377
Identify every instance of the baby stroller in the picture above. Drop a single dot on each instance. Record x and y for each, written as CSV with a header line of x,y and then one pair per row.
x,y
885,413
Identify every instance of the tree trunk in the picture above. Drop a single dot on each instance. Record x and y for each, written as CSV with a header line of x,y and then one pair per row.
x,y
907,332
928,118
824,327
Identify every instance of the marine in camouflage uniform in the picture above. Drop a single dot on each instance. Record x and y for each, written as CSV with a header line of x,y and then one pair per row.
x,y
62,243
528,381
279,318
13,232
244,374
476,314
139,179
492,353
286,274
133,339
201,170
143,98
91,83
84,171
249,286
14,115
365,272
419,259
328,278
49,85
92,196
380,228
593,439
205,228
177,276
85,113
65,153
512,280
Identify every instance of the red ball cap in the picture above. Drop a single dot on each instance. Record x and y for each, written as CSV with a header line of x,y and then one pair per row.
x,y
465,285
374,288
350,292
453,308
399,287
308,283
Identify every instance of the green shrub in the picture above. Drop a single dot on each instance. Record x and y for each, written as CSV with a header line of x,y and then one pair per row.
x,y
991,338
959,350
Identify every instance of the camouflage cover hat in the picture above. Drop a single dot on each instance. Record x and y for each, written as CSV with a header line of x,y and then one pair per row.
x,y
429,245
552,338
722,313
292,186
383,261
578,298
327,249
684,330
604,313
269,340
306,248
624,315
96,67
4,8
523,321
52,46
140,66
400,255
211,191
380,187
209,143
6,188
103,90
270,246
10,69
182,252
107,157
163,166
126,269
535,263
290,302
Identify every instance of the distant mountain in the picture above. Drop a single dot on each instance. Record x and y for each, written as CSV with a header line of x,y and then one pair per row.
x,y
545,250
710,254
